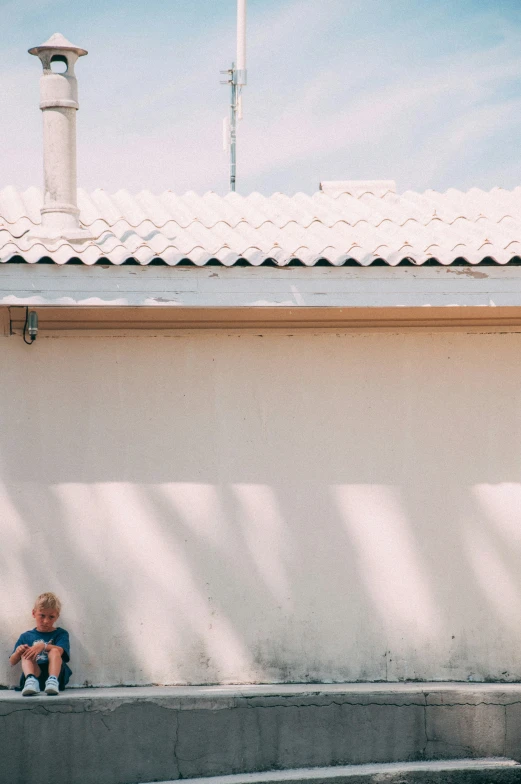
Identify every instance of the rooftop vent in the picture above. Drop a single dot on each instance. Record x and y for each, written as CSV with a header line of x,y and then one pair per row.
x,y
358,188
59,104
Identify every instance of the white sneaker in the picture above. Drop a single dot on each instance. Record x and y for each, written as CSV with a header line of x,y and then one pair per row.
x,y
31,686
51,685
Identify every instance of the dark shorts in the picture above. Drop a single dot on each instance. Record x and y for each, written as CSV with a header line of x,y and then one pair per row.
x,y
63,677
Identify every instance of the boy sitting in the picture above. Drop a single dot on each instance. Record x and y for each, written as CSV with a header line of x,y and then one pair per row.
x,y
43,650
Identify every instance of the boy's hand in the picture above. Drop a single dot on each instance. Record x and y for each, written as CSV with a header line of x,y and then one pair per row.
x,y
21,648
32,652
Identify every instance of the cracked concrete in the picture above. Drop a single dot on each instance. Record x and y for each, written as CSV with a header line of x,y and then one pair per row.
x,y
126,735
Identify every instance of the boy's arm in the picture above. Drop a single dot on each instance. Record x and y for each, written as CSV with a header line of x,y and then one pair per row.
x,y
50,647
17,654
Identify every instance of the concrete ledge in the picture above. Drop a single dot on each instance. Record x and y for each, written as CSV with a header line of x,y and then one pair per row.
x,y
487,771
119,736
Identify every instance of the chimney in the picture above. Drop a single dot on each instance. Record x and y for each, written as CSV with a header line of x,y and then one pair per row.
x,y
59,104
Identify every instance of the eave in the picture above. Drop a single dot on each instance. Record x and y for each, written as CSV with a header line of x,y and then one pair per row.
x,y
131,297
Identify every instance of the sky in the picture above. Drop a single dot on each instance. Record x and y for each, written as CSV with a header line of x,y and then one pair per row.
x,y
423,92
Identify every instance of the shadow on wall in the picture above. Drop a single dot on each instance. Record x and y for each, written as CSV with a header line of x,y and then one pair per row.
x,y
219,508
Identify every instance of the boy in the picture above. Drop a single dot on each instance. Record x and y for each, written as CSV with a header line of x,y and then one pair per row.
x,y
44,650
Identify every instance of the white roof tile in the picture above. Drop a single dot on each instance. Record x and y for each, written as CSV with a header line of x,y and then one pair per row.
x,y
344,221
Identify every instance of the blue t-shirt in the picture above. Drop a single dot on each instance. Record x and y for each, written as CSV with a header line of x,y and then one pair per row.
x,y
57,636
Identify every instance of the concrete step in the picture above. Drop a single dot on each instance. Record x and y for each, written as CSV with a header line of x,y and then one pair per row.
x,y
122,735
465,771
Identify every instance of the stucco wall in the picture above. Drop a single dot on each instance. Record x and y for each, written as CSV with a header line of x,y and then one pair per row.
x,y
236,507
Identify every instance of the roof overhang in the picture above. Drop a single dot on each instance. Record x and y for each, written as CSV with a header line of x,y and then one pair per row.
x,y
130,297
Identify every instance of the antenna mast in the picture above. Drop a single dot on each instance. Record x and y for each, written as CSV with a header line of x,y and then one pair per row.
x,y
237,80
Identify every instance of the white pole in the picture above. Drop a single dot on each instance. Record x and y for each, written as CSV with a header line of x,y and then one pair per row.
x,y
241,42
236,80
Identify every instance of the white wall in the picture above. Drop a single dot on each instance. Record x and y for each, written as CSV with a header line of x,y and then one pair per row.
x,y
239,507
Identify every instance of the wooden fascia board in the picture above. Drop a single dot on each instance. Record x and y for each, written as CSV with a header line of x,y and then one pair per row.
x,y
5,322
70,319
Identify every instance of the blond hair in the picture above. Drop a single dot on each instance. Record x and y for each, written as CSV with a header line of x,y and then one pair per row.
x,y
48,601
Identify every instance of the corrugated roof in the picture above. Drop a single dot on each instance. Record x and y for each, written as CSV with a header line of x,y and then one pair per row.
x,y
335,225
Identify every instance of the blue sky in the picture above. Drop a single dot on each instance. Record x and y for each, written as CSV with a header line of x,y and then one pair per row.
x,y
425,92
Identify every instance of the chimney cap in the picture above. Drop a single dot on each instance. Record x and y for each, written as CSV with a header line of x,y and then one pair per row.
x,y
59,43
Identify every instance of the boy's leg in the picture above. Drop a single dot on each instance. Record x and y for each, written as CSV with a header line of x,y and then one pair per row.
x,y
30,667
55,662
55,665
